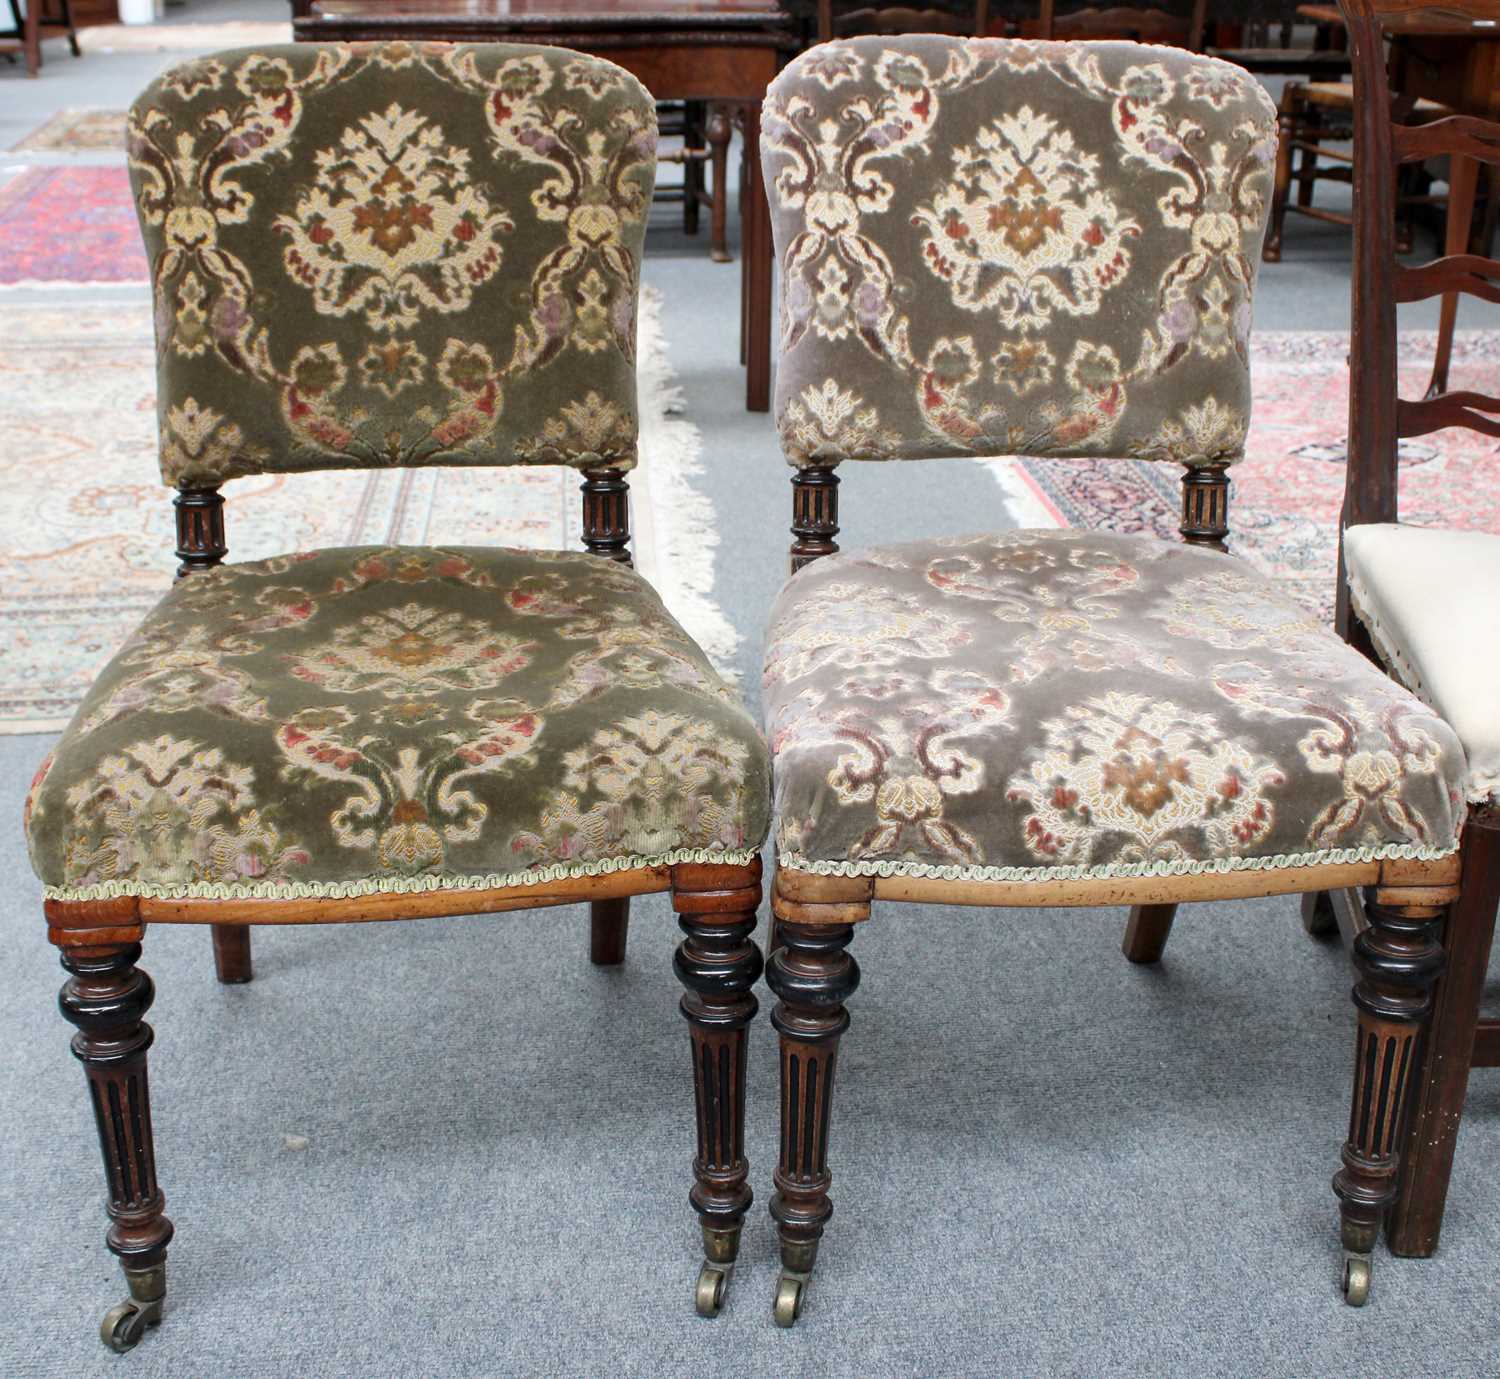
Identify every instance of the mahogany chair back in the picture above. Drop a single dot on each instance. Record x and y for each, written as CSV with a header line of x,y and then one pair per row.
x,y
847,18
1180,25
1378,417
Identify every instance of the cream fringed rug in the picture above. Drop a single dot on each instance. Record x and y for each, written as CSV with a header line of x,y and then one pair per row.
x,y
87,528
174,38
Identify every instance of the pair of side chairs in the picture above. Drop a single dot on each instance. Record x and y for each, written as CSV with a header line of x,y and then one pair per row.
x,y
399,255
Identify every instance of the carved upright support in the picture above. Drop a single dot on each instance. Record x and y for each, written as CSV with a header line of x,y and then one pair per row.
x,y
812,977
606,514
1398,957
107,997
719,964
815,515
1205,506
200,529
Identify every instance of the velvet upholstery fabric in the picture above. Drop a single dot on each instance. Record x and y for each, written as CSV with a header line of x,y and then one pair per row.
x,y
993,246
397,719
1049,704
393,254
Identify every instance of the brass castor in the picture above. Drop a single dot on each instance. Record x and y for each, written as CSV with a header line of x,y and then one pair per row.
x,y
1355,1282
125,1324
713,1286
791,1288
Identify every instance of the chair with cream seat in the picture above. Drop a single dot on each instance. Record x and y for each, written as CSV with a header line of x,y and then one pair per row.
x,y
1423,600
1015,247
372,256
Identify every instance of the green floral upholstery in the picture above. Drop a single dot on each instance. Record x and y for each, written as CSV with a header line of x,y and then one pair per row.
x,y
1005,247
393,254
1060,704
370,719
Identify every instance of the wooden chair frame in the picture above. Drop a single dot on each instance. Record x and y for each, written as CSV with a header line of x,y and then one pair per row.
x,y
107,995
1398,959
1378,417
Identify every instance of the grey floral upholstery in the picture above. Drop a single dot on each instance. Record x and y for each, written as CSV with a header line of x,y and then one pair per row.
x,y
1005,247
1036,705
393,254
398,719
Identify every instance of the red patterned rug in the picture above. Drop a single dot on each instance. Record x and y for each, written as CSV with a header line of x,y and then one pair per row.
x,y
1286,495
74,226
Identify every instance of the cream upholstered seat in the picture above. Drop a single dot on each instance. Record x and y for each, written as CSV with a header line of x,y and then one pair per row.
x,y
1427,598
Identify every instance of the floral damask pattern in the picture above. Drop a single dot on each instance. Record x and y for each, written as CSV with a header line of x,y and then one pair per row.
x,y
392,254
953,707
367,719
1014,247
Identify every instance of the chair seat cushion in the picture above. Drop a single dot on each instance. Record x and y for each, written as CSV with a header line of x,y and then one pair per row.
x,y
395,719
1429,599
1039,705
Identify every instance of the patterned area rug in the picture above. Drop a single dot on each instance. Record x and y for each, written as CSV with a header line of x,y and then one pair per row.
x,y
86,535
172,38
1285,500
69,227
78,131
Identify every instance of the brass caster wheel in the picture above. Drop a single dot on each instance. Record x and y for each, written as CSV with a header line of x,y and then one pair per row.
x,y
713,1286
790,1290
1356,1280
125,1324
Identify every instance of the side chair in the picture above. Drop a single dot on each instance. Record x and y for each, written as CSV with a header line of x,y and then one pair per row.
x,y
997,247
372,256
1423,601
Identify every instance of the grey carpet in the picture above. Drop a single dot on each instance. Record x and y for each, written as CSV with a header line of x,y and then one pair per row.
x,y
1047,1162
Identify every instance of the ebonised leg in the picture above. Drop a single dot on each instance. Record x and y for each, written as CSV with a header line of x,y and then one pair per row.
x,y
609,927
719,964
1442,1076
812,977
106,997
1398,958
1146,934
232,953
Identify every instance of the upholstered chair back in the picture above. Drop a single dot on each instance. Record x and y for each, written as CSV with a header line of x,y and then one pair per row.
x,y
1004,247
393,254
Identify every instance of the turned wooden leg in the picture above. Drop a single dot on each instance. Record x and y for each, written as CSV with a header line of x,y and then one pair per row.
x,y
1288,122
718,134
1146,934
692,168
1442,1075
719,964
812,977
232,953
1398,958
609,926
107,996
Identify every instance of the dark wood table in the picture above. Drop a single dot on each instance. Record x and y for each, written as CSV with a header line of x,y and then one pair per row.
x,y
725,51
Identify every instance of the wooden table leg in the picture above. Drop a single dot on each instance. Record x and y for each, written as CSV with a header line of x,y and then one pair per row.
x,y
755,246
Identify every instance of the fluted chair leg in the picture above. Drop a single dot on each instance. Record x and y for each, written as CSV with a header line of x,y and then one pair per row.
x,y
1398,957
812,977
718,964
107,996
